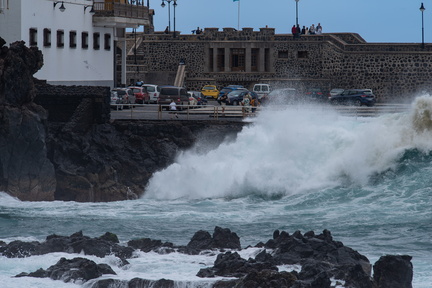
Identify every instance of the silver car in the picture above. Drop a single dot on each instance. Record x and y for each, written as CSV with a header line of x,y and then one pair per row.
x,y
127,96
153,91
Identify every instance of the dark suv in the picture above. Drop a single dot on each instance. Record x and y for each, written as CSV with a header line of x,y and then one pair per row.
x,y
178,94
357,97
316,94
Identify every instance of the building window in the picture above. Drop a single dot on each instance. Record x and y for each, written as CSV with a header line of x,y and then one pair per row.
x,y
238,59
302,54
84,40
283,54
47,37
72,39
60,38
96,39
107,42
220,59
33,37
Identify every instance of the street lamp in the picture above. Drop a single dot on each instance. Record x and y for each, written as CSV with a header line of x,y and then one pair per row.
x,y
297,12
422,9
175,5
169,13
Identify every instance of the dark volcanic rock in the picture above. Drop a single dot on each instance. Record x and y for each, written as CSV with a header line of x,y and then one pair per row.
x,y
111,162
268,279
232,265
324,259
134,283
25,169
76,243
76,270
392,271
147,245
222,238
84,158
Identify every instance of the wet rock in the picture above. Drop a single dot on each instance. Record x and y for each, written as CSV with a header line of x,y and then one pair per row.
x,y
76,243
222,238
268,278
26,172
19,249
147,245
232,265
77,270
393,271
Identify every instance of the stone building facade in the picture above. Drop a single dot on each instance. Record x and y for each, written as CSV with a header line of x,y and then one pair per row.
x,y
394,71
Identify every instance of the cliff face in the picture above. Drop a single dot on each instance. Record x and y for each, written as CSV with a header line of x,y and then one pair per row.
x,y
25,171
111,162
80,160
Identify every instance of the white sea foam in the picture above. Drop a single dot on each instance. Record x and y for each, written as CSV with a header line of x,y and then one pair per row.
x,y
294,150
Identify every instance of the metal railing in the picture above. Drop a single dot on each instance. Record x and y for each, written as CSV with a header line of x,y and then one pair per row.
x,y
216,112
115,9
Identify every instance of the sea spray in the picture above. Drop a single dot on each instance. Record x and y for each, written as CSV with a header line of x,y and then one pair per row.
x,y
295,150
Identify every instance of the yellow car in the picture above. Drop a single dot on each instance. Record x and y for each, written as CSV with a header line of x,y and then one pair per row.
x,y
210,91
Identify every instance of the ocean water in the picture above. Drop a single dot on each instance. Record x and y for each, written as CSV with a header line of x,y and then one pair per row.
x,y
367,180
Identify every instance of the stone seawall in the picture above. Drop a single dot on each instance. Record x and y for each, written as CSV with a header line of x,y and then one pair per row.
x,y
394,71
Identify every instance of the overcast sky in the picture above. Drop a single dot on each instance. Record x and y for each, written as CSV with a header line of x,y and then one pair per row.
x,y
375,20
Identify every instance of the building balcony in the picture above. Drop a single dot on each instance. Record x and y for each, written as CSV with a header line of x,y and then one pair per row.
x,y
119,15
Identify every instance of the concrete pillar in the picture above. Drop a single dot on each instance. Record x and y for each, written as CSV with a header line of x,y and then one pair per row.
x,y
227,60
123,62
248,59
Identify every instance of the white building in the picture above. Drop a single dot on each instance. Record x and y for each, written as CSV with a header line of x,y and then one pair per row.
x,y
77,37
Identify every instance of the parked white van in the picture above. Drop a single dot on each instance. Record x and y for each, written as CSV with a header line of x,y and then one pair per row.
x,y
261,89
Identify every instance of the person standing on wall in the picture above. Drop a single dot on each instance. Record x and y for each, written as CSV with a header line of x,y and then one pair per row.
x,y
319,29
312,29
294,31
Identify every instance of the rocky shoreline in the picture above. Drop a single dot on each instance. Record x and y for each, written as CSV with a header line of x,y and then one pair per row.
x,y
322,259
78,159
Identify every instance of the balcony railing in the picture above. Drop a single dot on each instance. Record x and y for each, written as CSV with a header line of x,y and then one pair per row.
x,y
113,9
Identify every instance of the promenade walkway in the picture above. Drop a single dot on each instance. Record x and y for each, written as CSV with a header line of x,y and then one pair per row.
x,y
237,113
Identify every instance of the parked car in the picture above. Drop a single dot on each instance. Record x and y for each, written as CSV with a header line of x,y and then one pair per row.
x,y
316,94
141,95
210,91
336,91
127,96
229,89
282,96
262,90
197,98
178,94
153,91
236,96
357,97
116,101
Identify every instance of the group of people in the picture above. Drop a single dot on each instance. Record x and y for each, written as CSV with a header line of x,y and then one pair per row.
x,y
197,31
312,30
248,102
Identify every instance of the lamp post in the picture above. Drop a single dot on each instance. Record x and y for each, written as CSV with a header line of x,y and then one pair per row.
x,y
297,12
422,9
175,5
169,13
